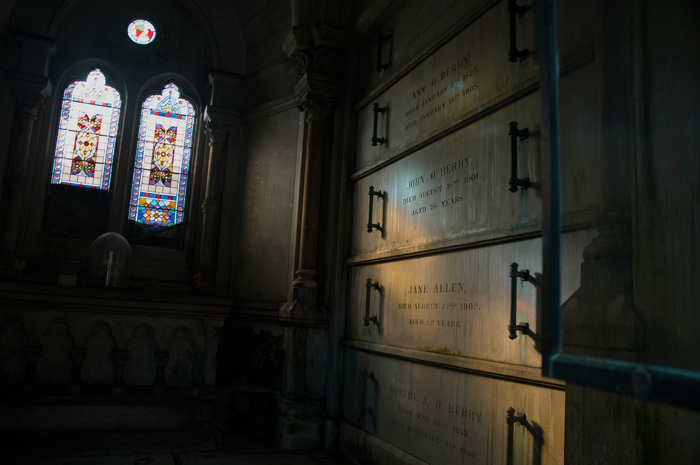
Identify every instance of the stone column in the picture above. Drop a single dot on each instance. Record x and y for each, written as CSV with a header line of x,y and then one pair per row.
x,y
317,92
306,283
601,317
30,87
217,126
301,404
29,93
600,320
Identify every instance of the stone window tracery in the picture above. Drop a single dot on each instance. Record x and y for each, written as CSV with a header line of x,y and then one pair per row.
x,y
161,166
87,133
85,151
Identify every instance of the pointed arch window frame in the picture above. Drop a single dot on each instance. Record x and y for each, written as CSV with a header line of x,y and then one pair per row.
x,y
75,169
153,205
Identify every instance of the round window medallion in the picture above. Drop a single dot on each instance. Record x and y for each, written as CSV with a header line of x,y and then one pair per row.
x,y
141,31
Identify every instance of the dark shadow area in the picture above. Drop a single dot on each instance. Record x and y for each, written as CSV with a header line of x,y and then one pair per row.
x,y
192,447
367,400
247,381
76,212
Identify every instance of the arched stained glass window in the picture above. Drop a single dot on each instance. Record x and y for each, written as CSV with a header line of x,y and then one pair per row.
x,y
161,166
86,133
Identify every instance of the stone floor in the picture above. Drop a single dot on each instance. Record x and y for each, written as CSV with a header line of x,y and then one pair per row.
x,y
148,448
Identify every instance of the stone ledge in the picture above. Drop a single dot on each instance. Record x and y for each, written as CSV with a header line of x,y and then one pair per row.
x,y
515,373
365,448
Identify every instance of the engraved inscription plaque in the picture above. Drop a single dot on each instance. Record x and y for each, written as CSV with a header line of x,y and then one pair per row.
x,y
420,25
469,73
458,303
416,26
443,416
457,187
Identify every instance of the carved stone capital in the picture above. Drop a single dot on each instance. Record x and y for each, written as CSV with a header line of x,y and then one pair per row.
x,y
210,206
217,124
324,61
216,133
301,59
29,93
327,60
319,70
316,108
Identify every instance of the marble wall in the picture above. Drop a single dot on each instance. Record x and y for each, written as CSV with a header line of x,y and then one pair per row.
x,y
432,373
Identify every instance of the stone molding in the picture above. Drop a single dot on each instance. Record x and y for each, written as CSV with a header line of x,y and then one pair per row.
x,y
318,56
316,108
216,133
210,206
223,87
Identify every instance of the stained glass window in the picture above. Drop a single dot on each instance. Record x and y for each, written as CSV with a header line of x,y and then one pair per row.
x,y
141,31
87,133
161,166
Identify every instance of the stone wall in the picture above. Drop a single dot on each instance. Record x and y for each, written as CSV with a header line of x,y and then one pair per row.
x,y
89,350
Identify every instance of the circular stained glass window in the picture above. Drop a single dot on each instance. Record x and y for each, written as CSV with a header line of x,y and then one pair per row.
x,y
141,31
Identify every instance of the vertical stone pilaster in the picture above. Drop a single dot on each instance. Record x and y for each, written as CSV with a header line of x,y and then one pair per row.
x,y
301,403
317,92
29,93
29,87
601,317
317,111
218,123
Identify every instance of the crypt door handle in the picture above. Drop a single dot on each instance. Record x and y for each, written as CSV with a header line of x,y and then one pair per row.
x,y
513,53
381,38
371,226
363,407
369,286
377,140
533,428
514,275
514,134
